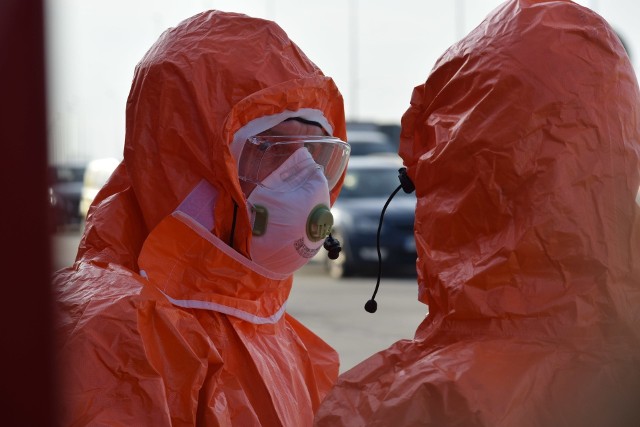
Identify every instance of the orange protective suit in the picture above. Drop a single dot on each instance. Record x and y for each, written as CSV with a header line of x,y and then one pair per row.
x,y
523,145
161,322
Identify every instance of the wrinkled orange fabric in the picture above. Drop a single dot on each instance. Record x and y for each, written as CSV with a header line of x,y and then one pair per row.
x,y
160,323
523,145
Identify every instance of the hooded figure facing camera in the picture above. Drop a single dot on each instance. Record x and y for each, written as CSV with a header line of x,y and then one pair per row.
x,y
174,310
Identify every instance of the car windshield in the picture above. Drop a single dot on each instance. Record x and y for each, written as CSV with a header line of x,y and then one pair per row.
x,y
370,182
366,148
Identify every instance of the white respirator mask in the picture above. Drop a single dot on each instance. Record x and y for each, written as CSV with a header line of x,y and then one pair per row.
x,y
289,205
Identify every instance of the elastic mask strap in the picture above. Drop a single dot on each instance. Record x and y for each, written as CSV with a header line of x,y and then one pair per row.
x,y
233,223
305,121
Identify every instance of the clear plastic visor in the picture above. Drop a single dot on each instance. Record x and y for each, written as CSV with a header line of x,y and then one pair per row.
x,y
263,155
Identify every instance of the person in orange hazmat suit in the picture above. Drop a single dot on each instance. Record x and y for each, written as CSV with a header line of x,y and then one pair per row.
x,y
173,313
523,145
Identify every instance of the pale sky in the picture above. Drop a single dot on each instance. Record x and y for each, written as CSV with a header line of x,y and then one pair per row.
x,y
375,50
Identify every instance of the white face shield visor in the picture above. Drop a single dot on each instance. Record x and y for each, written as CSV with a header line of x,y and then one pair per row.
x,y
262,156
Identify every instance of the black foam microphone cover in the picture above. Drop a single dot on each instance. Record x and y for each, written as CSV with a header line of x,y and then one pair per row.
x,y
371,306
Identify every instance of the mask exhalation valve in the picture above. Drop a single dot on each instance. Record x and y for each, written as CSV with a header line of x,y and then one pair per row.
x,y
319,223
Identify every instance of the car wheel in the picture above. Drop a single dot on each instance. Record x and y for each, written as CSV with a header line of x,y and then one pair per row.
x,y
343,265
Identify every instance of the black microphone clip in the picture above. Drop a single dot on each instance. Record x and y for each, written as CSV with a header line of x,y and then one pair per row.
x,y
405,181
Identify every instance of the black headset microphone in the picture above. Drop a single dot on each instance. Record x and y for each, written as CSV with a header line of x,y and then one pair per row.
x,y
407,186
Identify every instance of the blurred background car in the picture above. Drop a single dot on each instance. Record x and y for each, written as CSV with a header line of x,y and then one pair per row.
x,y
368,138
366,142
95,176
368,183
65,187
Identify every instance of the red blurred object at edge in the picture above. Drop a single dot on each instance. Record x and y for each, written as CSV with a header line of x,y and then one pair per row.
x,y
25,319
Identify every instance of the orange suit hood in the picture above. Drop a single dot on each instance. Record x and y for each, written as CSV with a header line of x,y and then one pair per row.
x,y
523,145
163,305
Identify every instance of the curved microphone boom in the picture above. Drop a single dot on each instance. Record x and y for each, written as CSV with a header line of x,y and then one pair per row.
x,y
407,186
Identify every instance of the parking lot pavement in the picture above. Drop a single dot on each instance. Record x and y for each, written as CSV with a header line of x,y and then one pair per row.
x,y
334,310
